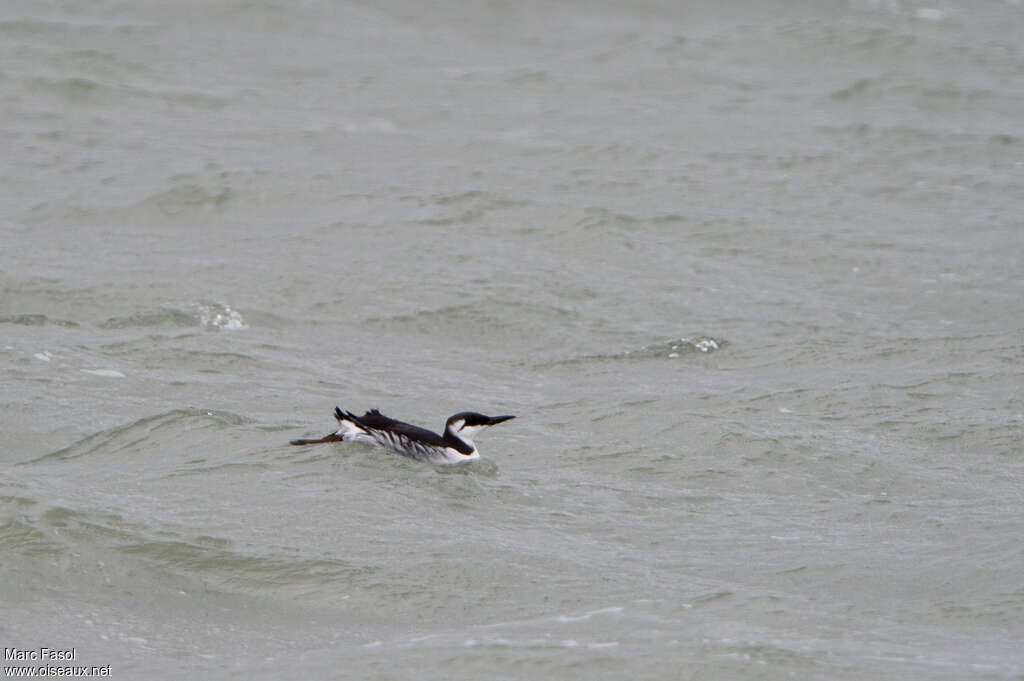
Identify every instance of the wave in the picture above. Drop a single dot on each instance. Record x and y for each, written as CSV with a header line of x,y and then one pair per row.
x,y
466,207
925,96
670,349
210,316
37,529
151,318
114,92
491,318
165,427
35,320
116,503
210,557
21,535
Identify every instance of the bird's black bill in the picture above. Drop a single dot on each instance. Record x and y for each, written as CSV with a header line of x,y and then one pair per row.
x,y
499,419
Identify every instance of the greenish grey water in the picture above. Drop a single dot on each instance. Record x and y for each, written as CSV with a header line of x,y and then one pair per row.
x,y
220,220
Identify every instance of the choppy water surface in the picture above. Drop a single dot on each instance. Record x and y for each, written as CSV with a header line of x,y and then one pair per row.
x,y
750,279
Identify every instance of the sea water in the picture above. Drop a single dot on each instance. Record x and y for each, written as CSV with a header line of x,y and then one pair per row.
x,y
750,277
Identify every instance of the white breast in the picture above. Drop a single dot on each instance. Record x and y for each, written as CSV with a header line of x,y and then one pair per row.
x,y
417,450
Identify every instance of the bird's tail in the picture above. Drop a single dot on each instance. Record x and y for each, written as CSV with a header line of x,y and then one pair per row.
x,y
333,437
348,424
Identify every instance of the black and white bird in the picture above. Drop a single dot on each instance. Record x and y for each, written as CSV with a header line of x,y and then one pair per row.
x,y
454,446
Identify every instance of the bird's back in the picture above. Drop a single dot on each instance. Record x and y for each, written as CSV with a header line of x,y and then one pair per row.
x,y
374,420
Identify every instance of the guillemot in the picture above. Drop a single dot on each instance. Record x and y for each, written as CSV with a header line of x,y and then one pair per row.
x,y
455,446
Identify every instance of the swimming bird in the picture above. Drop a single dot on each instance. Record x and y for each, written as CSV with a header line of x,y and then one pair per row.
x,y
455,446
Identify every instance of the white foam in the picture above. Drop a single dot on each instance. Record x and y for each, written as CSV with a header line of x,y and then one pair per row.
x,y
109,373
221,317
588,615
706,345
930,14
43,356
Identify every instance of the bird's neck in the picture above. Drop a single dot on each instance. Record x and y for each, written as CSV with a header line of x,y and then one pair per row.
x,y
460,444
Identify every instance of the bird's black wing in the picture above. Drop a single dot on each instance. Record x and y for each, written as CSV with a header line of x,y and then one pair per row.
x,y
377,421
